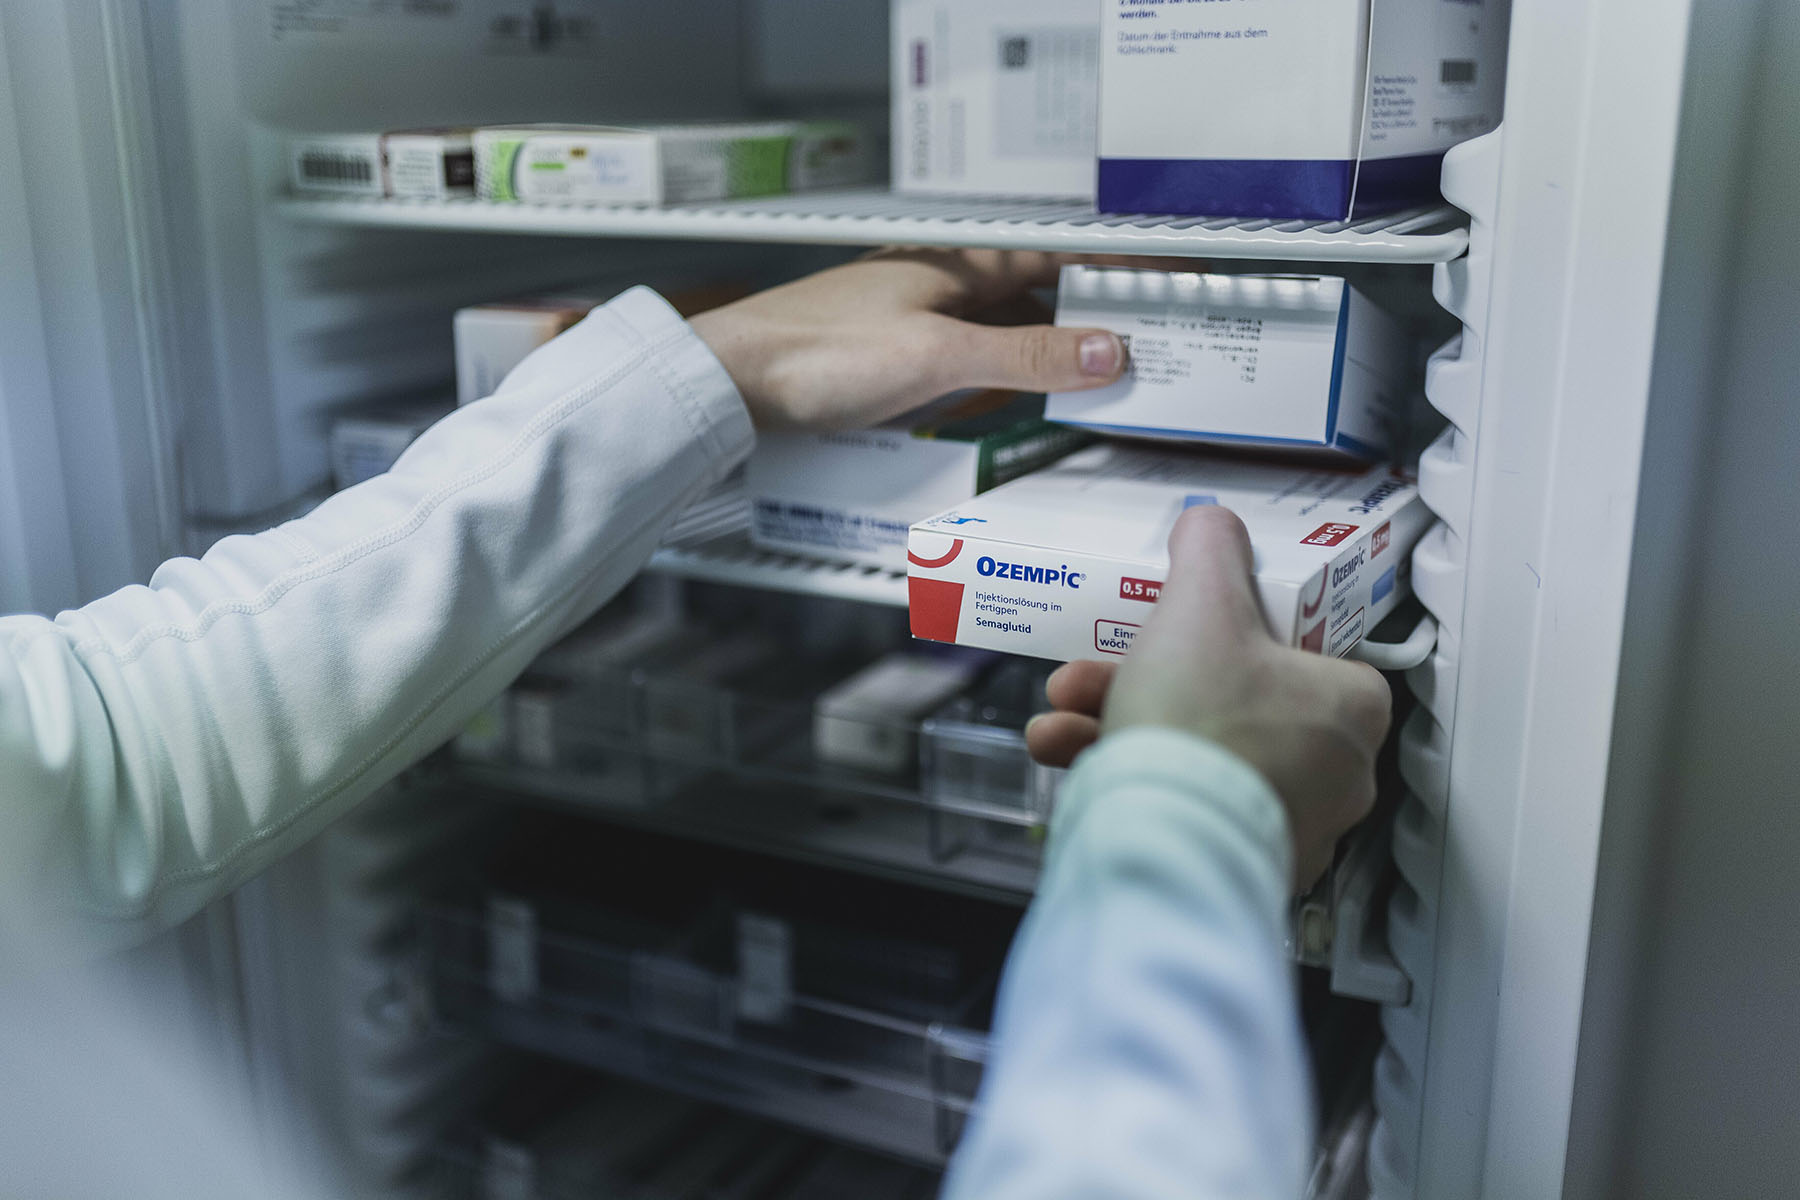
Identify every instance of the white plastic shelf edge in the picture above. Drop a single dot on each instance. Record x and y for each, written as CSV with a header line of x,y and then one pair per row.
x,y
876,217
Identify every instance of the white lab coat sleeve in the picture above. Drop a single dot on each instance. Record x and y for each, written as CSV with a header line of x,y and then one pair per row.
x,y
1146,1039
161,745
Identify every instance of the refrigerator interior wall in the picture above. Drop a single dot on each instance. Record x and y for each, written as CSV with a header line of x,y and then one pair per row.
x,y
1538,481
83,374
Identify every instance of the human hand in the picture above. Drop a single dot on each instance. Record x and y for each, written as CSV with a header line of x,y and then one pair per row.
x,y
1205,663
857,344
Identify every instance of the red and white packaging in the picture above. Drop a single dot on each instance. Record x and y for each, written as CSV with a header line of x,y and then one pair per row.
x,y
1067,562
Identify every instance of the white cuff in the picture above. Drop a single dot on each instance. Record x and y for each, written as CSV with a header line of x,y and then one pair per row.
x,y
689,369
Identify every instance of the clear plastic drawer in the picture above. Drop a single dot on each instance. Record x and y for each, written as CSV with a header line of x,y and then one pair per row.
x,y
900,1075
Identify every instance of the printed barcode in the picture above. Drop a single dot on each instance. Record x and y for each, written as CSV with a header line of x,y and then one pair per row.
x,y
1015,53
1456,70
336,168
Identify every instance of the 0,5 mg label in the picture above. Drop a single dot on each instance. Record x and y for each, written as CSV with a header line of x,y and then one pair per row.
x,y
1149,590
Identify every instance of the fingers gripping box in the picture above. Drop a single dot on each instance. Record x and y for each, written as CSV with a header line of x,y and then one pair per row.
x,y
1067,562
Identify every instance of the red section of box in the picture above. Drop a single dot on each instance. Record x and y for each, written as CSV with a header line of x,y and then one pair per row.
x,y
1310,608
935,607
948,557
1329,534
1147,590
1380,540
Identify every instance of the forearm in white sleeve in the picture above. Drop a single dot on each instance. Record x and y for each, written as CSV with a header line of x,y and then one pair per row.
x,y
161,745
1146,1039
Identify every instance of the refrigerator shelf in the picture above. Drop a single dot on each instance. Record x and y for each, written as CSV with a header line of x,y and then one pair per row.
x,y
908,843
877,217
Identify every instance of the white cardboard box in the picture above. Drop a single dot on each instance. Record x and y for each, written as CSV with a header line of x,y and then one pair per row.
x,y
343,163
365,442
995,97
434,164
854,495
492,339
870,721
1292,108
1301,362
1067,562
667,164
429,164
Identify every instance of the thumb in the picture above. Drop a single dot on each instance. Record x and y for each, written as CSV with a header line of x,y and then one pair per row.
x,y
1034,358
1210,583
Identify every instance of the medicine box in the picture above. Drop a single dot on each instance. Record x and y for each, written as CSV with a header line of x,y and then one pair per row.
x,y
492,339
1303,362
1068,562
853,495
870,721
1319,109
367,441
429,164
997,97
669,164
345,163
434,164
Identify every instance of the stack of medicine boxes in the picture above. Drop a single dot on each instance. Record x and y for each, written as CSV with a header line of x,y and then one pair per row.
x,y
1282,393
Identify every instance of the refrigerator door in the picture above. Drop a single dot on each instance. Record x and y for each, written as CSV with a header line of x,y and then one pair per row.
x,y
85,435
1539,480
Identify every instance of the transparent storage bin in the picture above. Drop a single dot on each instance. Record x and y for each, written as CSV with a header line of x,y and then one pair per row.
x,y
976,814
973,753
900,1077
709,746
625,1141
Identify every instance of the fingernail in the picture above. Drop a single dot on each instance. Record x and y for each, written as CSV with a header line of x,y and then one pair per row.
x,y
1101,355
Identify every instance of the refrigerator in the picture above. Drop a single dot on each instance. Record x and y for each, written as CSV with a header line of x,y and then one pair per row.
x,y
1487,971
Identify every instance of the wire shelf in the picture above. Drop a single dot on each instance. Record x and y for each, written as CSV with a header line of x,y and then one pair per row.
x,y
876,216
733,559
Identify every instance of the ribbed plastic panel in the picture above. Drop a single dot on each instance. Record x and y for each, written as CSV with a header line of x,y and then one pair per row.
x,y
878,217
1446,484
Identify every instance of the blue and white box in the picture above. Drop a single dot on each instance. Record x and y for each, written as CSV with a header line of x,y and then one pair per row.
x,y
1316,109
1299,362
